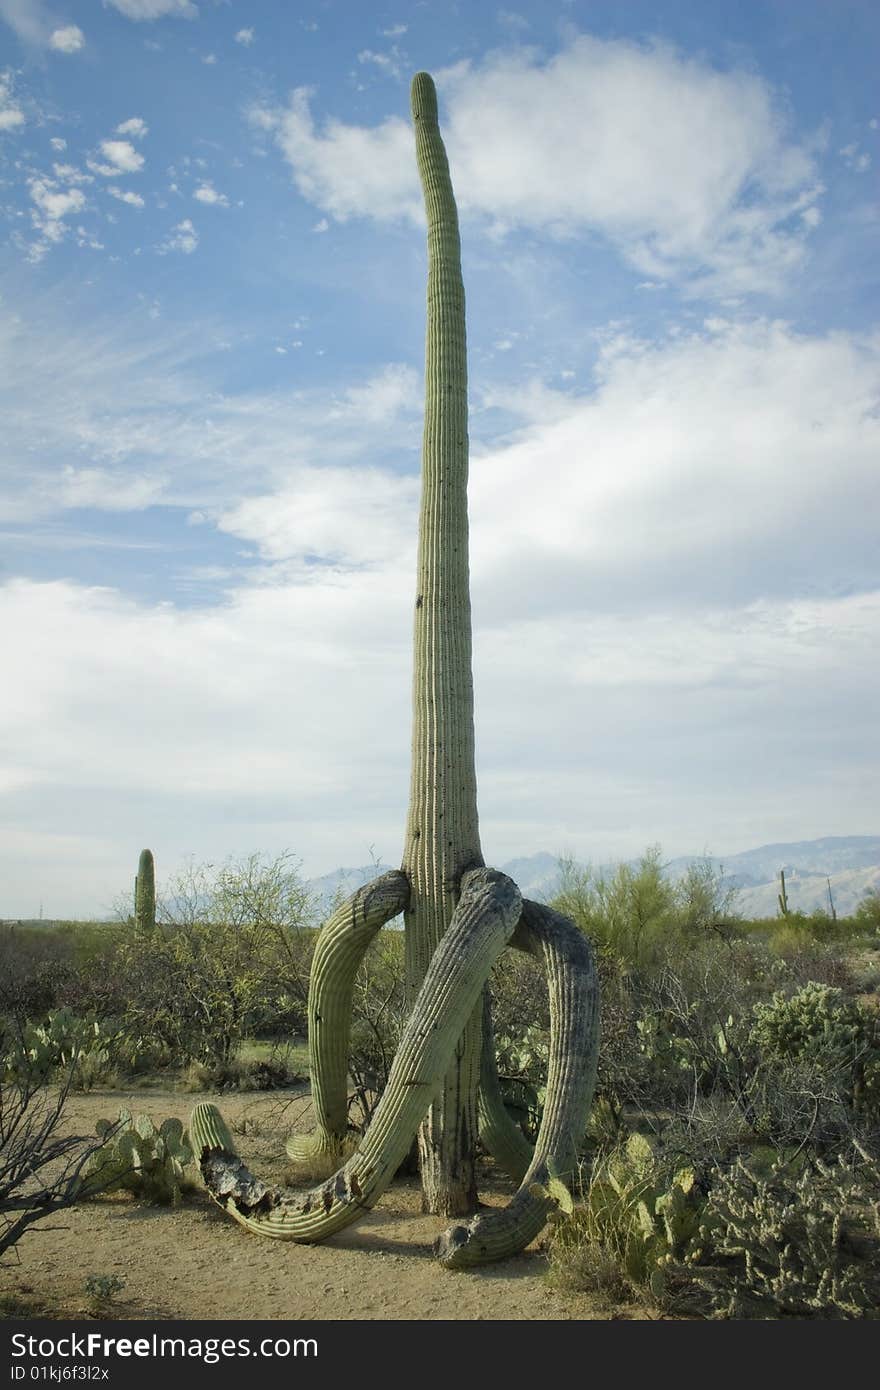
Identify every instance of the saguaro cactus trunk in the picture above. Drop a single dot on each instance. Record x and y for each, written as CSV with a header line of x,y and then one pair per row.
x,y
442,837
458,914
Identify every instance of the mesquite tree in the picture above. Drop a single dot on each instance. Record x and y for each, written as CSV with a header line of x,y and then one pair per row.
x,y
458,914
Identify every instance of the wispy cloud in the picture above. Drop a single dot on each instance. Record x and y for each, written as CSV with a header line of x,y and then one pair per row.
x,y
155,9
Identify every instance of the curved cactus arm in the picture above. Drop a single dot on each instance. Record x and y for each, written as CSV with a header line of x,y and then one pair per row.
x,y
484,920
499,1134
341,946
574,1045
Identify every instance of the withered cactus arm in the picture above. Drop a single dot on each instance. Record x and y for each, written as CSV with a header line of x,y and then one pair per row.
x,y
574,1044
341,946
484,920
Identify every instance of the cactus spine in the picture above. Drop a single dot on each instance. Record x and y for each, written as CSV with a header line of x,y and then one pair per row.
x,y
458,914
145,892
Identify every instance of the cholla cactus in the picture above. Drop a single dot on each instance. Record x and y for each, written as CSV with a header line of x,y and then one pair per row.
x,y
786,1242
148,1161
819,1024
458,914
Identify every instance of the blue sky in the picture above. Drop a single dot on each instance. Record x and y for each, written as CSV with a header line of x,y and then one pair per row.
x,y
211,334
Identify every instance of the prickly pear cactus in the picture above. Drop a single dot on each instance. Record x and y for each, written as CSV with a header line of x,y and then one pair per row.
x,y
148,1161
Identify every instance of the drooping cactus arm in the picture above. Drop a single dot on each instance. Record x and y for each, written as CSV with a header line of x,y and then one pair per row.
x,y
341,946
488,910
574,1044
499,1134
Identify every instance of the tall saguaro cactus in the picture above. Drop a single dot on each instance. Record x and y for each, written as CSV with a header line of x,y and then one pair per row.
x,y
145,892
458,914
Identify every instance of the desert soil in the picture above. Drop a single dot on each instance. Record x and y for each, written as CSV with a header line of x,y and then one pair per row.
x,y
194,1262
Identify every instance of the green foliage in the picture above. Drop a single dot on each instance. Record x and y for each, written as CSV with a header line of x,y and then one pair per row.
x,y
522,1075
102,1289
820,1025
137,1156
636,1218
638,916
80,1047
227,958
801,1241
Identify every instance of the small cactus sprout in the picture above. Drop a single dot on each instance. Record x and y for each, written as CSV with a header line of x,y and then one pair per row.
x,y
459,915
145,893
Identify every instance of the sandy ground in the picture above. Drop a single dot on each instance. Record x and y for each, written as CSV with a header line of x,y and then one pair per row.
x,y
194,1262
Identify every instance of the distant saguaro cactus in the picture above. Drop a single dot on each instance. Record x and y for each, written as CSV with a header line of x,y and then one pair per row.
x,y
458,914
145,892
782,896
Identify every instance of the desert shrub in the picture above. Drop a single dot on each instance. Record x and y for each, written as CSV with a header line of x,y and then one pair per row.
x,y
244,1074
40,1168
228,957
866,917
639,917
379,1013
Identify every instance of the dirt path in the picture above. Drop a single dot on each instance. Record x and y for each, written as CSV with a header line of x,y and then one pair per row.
x,y
194,1262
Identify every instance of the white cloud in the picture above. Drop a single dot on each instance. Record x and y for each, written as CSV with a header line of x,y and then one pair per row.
x,y
245,37
122,158
600,138
206,193
11,114
674,592
346,170
135,126
184,237
69,39
58,143
133,199
210,59
155,9
52,206
729,467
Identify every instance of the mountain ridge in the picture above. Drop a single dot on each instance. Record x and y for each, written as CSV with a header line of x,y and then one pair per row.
x,y
850,862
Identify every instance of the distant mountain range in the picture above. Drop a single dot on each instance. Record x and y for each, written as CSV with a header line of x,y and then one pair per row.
x,y
851,863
